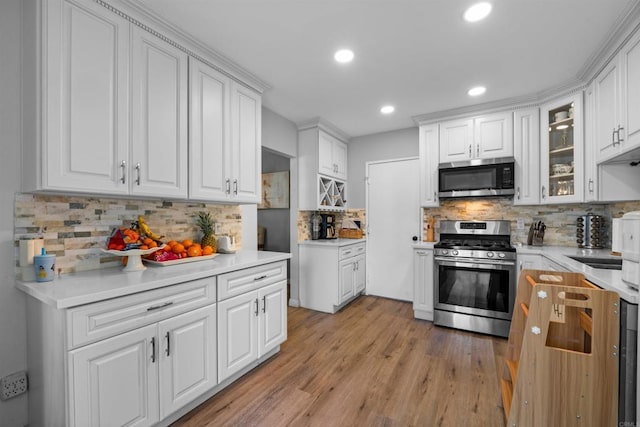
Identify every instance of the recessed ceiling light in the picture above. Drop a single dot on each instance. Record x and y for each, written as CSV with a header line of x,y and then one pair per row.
x,y
477,91
477,12
387,109
344,55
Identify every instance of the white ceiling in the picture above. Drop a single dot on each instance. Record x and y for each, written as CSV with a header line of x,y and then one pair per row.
x,y
418,55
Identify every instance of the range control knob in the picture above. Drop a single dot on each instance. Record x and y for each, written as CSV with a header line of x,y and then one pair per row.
x,y
489,254
454,252
500,255
445,252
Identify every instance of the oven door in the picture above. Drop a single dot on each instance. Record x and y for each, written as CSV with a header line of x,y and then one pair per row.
x,y
475,286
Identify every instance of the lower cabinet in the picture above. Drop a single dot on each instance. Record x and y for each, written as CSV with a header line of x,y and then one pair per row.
x,y
537,262
140,377
249,326
331,275
423,284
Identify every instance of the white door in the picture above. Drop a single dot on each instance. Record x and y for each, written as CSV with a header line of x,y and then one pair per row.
x,y
339,154
493,136
456,140
326,165
187,352
159,111
246,158
273,316
361,276
114,382
393,216
423,282
346,286
237,333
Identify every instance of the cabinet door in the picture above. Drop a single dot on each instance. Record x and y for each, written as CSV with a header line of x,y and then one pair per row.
x,y
590,146
429,166
630,88
339,154
273,318
361,274
456,140
326,165
187,351
209,138
346,286
85,139
493,136
114,382
423,282
526,150
246,111
159,111
529,262
607,102
237,333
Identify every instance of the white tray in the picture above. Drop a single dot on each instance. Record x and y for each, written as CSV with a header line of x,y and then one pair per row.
x,y
179,261
134,263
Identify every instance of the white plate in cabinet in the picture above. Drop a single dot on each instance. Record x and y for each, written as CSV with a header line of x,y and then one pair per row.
x,y
248,279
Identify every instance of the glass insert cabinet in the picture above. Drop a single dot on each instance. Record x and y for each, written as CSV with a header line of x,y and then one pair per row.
x,y
562,151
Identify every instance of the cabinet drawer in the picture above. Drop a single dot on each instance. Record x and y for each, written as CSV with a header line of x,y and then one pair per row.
x,y
93,322
241,281
351,250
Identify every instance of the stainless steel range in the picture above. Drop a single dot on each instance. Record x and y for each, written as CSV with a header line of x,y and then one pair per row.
x,y
475,276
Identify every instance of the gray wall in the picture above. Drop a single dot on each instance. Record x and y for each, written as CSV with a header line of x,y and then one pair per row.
x,y
275,221
380,146
279,134
13,334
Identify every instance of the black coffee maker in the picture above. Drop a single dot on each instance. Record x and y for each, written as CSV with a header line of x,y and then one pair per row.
x,y
328,226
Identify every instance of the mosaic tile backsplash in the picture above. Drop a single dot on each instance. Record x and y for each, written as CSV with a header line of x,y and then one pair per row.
x,y
75,229
559,219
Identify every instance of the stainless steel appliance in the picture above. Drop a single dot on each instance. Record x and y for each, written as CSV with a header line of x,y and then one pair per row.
x,y
590,231
627,368
475,276
476,178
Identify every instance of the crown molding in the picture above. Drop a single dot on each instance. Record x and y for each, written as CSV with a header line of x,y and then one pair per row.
x,y
326,126
143,18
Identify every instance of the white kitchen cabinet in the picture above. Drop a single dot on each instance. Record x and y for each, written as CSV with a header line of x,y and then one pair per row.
x,y
428,150
322,169
332,273
590,146
77,114
526,151
529,262
423,277
562,150
142,376
484,137
617,104
332,156
250,325
159,118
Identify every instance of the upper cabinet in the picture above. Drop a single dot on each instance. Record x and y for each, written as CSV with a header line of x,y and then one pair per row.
x,y
107,107
561,145
322,170
526,151
332,156
429,165
484,137
617,104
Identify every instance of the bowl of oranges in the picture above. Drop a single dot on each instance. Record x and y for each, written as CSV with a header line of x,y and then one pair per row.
x,y
179,252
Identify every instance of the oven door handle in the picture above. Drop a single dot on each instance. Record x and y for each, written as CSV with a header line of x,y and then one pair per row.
x,y
491,265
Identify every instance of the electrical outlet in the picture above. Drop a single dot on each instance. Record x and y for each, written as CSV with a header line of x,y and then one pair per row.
x,y
520,224
13,385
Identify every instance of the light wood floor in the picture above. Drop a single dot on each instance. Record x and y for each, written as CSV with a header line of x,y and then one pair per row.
x,y
371,364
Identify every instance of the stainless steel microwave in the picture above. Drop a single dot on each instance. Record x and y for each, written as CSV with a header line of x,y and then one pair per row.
x,y
476,178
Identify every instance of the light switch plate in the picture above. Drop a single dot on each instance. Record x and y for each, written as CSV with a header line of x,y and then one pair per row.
x,y
520,224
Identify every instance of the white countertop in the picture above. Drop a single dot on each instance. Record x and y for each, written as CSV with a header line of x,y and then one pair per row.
x,y
332,242
423,245
90,286
606,279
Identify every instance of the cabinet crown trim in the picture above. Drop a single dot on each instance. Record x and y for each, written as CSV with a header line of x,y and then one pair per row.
x,y
325,126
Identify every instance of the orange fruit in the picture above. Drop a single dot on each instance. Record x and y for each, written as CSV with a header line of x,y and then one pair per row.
x,y
207,250
143,247
194,251
187,243
178,248
152,244
147,241
170,243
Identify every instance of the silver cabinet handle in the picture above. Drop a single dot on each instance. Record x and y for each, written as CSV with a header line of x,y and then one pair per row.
x,y
435,196
235,187
518,192
616,140
478,150
520,265
257,309
469,150
618,132
260,277
168,337
138,167
228,186
264,303
421,252
153,349
543,190
123,178
590,185
353,267
613,136
159,306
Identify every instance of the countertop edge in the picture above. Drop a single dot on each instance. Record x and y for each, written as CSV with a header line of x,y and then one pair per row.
x,y
339,242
